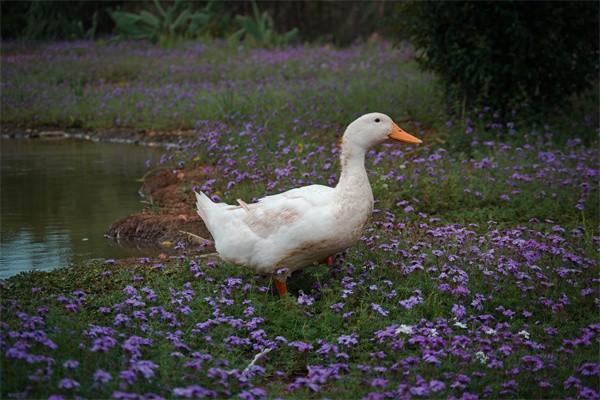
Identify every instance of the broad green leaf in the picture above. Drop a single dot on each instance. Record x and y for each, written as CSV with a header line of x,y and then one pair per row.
x,y
150,19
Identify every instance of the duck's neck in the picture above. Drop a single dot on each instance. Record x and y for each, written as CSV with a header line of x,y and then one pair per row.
x,y
354,176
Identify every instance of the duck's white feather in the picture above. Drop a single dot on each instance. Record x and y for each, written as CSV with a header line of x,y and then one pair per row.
x,y
274,232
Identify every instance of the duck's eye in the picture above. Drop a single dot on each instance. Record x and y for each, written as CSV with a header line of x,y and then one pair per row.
x,y
377,120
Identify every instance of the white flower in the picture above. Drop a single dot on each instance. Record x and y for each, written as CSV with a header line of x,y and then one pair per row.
x,y
490,331
481,357
524,333
460,325
433,332
406,329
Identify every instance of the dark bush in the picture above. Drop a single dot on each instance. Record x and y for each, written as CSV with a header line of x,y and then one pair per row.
x,y
506,55
340,22
35,20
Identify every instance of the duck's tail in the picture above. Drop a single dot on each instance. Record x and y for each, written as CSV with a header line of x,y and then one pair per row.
x,y
204,204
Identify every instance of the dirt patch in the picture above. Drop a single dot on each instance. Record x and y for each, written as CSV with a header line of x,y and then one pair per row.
x,y
171,215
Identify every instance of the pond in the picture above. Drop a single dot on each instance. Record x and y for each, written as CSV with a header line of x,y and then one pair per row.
x,y
60,196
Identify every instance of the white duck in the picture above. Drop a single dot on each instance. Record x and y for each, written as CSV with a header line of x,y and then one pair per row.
x,y
294,229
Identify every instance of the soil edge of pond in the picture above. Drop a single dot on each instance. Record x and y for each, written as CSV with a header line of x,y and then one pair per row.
x,y
170,215
174,138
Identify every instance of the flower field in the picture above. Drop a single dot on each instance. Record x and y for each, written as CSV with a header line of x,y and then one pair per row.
x,y
477,276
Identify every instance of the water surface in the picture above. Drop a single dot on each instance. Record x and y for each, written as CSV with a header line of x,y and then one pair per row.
x,y
59,198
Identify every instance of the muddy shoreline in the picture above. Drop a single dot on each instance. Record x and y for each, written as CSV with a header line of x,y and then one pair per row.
x,y
168,139
170,216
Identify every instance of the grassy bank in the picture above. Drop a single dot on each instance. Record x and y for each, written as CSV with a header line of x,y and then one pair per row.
x,y
134,85
476,277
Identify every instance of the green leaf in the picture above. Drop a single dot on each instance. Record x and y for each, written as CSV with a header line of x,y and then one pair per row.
x,y
150,19
159,8
181,19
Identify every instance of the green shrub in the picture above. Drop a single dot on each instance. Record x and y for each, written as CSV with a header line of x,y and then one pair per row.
x,y
37,20
528,55
168,26
259,30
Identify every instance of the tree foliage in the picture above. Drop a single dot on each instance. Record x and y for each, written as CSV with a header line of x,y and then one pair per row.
x,y
335,21
506,54
34,20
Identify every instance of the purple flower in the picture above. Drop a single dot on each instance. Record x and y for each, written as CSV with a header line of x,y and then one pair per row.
x,y
459,311
301,346
419,391
193,391
132,345
589,369
120,395
436,386
379,382
571,381
101,376
412,300
253,394
67,383
306,300
380,310
532,363
460,382
374,396
317,376
237,341
130,290
544,384
144,367
103,344
348,340
121,319
587,393
128,375
71,364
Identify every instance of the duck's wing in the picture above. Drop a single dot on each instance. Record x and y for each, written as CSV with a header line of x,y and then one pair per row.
x,y
316,195
272,214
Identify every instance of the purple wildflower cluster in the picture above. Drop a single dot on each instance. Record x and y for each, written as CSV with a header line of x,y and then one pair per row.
x,y
166,85
425,305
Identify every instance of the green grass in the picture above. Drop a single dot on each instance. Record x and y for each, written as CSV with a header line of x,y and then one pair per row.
x,y
291,106
98,87
281,318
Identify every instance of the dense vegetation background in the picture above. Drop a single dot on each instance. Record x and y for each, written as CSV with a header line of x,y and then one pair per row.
x,y
340,22
535,57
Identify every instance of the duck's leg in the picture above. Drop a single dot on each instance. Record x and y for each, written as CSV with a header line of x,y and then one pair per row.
x,y
281,287
329,261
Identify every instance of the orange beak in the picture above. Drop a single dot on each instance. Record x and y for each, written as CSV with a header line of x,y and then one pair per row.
x,y
399,134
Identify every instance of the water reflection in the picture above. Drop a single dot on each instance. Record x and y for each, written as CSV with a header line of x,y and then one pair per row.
x,y
59,197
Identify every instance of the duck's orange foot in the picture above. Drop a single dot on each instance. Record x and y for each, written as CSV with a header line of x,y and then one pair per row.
x,y
329,261
281,287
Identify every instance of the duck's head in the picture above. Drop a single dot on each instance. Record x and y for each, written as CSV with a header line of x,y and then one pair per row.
x,y
375,128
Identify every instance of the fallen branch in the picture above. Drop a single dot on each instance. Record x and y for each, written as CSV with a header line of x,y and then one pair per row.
x,y
256,358
197,239
208,255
